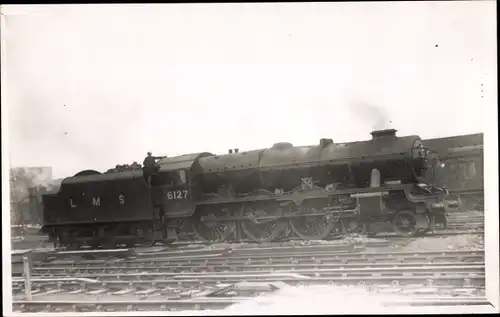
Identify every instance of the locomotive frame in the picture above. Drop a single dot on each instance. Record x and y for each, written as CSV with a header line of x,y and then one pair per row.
x,y
313,192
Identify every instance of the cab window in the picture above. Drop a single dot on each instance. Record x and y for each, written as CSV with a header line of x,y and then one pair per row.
x,y
170,179
182,177
163,179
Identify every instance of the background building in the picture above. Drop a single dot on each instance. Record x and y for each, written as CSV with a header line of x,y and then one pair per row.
x,y
26,183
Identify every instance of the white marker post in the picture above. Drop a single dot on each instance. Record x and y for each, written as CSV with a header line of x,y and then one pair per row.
x,y
27,276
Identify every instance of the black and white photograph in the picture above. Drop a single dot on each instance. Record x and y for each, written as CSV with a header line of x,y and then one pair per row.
x,y
297,158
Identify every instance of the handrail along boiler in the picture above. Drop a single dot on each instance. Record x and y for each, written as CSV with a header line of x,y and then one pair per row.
x,y
313,192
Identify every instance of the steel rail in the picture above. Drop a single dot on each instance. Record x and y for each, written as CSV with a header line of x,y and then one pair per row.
x,y
270,256
461,279
388,270
290,262
174,269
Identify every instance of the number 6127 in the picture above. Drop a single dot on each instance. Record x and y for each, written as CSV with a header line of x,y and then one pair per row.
x,y
177,194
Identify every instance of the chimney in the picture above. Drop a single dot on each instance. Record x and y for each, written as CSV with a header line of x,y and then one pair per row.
x,y
230,151
236,150
325,142
383,133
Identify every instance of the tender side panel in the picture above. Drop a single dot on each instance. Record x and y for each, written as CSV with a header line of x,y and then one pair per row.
x,y
107,201
128,200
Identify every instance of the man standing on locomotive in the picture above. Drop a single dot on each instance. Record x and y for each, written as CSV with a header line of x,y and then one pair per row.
x,y
150,166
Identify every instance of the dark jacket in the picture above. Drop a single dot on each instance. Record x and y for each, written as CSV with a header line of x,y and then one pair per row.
x,y
150,161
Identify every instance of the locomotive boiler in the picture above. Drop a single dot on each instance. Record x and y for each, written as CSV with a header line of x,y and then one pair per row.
x,y
313,192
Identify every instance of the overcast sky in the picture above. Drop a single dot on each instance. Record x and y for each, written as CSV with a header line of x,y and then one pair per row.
x,y
92,86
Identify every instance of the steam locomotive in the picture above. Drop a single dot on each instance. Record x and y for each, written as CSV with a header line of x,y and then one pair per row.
x,y
310,192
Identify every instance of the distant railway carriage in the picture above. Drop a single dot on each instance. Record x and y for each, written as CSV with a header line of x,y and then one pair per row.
x,y
463,161
313,192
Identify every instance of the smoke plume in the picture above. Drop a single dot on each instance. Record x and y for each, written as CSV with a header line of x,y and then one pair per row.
x,y
373,115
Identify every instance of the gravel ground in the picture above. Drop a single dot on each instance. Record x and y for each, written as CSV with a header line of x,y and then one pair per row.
x,y
344,241
461,242
24,245
322,299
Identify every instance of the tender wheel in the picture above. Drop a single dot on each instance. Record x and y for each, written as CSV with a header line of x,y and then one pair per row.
x,y
94,245
74,246
405,223
131,244
312,227
69,242
210,229
263,230
109,245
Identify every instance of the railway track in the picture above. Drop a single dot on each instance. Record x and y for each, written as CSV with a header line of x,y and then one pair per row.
x,y
225,253
217,280
195,276
458,222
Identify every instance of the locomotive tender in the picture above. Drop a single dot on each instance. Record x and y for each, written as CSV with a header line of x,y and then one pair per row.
x,y
313,192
